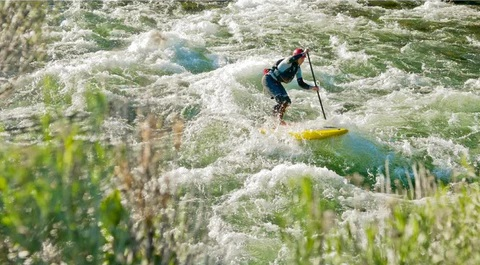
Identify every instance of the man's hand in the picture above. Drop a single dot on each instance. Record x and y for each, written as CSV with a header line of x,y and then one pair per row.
x,y
315,88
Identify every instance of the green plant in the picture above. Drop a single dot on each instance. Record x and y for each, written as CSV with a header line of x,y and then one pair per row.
x,y
49,201
436,226
74,200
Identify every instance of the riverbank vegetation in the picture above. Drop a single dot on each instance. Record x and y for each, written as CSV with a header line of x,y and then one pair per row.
x,y
73,198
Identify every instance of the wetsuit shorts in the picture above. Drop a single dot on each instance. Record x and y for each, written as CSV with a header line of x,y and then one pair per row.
x,y
275,89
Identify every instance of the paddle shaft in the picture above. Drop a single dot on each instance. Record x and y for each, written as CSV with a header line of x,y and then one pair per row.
x,y
318,93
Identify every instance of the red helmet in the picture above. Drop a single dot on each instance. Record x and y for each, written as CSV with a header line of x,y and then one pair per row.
x,y
298,51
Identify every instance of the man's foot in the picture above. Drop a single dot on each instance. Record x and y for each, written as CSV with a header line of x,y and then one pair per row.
x,y
282,122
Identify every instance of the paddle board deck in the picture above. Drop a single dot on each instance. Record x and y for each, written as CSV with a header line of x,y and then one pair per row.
x,y
315,134
318,134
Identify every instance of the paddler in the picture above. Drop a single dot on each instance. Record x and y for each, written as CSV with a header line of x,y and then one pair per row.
x,y
284,71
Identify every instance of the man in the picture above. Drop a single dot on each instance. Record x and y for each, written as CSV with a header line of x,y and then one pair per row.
x,y
283,72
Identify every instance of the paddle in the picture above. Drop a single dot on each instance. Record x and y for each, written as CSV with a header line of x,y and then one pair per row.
x,y
318,94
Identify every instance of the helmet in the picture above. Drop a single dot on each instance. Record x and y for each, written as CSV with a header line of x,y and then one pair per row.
x,y
298,51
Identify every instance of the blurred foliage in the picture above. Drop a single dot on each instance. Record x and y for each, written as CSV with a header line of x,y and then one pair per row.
x,y
49,199
313,216
21,44
74,199
438,229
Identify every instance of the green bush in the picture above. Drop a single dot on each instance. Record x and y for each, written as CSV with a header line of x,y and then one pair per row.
x,y
50,196
73,200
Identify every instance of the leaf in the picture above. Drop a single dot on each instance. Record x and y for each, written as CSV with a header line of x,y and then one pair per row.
x,y
111,210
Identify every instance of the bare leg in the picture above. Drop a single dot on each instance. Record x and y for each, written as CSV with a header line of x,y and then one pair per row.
x,y
279,111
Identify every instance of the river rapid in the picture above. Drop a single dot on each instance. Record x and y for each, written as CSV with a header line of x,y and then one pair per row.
x,y
401,76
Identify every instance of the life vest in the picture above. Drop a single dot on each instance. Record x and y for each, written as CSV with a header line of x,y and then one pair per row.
x,y
285,76
267,70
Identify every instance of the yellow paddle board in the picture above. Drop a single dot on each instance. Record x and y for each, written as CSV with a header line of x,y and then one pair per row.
x,y
315,134
318,134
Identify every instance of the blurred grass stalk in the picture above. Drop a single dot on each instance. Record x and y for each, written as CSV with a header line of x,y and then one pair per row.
x,y
21,36
75,199
425,223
